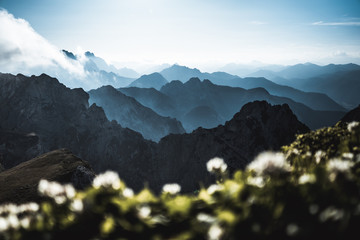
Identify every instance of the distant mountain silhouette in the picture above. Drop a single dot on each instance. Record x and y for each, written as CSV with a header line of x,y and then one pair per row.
x,y
314,100
202,116
131,114
226,101
152,98
154,80
102,65
183,74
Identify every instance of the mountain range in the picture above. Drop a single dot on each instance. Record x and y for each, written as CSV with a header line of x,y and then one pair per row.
x,y
221,103
60,117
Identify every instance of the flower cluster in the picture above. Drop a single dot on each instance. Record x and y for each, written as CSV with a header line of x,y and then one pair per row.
x,y
60,193
171,189
269,164
108,179
216,165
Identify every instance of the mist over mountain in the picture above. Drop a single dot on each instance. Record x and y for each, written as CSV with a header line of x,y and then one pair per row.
x,y
154,80
131,114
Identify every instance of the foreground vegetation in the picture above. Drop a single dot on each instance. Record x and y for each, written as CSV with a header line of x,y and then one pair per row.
x,y
311,189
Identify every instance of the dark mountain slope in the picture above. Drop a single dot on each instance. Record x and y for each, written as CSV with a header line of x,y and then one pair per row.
x,y
61,118
257,127
131,114
353,115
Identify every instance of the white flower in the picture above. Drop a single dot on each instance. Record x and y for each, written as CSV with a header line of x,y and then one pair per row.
x,y
292,229
337,165
172,189
348,156
352,125
216,164
206,218
144,212
128,193
307,178
25,222
107,179
77,205
69,191
13,221
3,224
215,232
214,188
256,181
319,155
269,163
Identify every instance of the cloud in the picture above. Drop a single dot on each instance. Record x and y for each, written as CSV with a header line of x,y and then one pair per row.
x,y
23,50
321,23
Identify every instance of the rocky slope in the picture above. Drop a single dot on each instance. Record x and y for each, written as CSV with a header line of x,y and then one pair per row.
x,y
131,114
62,118
19,184
257,127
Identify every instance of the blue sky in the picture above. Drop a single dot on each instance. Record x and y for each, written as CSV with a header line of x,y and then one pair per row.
x,y
197,33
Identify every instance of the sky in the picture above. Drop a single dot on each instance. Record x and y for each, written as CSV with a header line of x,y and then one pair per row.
x,y
198,33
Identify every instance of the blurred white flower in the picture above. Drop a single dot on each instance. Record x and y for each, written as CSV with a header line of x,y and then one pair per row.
x,y
128,193
331,213
144,212
256,181
313,209
215,232
13,221
307,178
292,229
214,188
337,165
77,205
216,165
352,125
319,155
3,224
348,155
107,179
206,218
269,163
172,189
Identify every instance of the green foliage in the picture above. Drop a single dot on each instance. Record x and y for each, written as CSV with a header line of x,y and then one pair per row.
x,y
309,190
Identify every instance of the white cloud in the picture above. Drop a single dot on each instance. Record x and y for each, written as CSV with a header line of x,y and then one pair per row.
x,y
23,50
321,23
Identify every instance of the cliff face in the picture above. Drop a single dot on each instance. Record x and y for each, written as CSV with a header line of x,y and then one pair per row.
x,y
19,184
257,127
61,118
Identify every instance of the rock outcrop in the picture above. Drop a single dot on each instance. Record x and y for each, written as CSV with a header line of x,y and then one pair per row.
x,y
19,184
